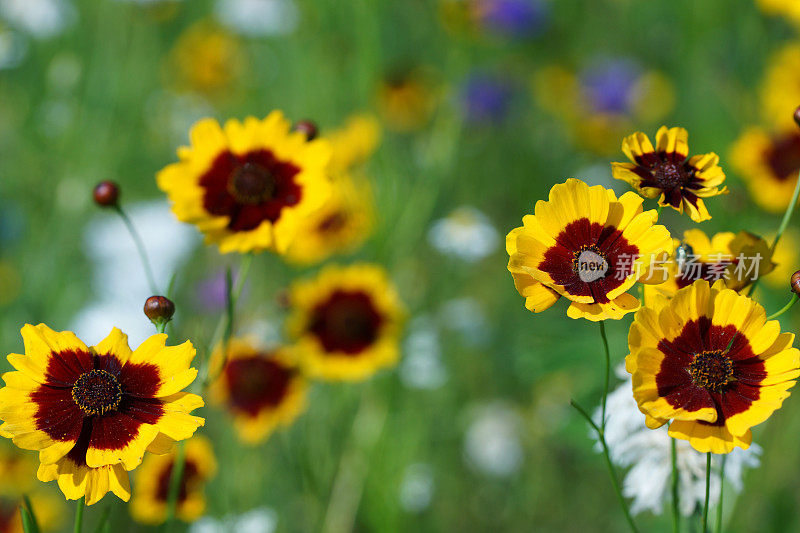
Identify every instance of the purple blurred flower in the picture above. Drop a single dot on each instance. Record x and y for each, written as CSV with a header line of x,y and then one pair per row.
x,y
212,294
608,85
515,18
486,98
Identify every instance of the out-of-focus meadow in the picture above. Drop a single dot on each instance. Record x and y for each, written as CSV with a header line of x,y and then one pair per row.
x,y
483,105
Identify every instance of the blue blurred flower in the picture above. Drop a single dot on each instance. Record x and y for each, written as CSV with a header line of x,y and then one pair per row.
x,y
514,18
486,98
609,85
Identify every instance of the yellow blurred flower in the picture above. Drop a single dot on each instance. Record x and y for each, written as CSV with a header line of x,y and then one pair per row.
x,y
769,164
407,99
262,389
353,143
346,322
205,59
150,499
248,185
786,259
780,90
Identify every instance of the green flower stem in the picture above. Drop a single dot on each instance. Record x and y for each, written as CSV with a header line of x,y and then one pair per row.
x,y
676,514
718,527
611,470
785,308
79,515
708,492
151,280
787,216
608,373
175,482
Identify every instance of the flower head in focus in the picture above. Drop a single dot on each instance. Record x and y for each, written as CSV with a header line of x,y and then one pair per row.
x,y
149,504
247,185
588,246
708,361
346,322
665,171
262,389
91,413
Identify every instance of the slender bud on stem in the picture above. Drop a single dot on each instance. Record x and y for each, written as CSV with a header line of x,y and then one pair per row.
x,y
159,309
106,194
308,127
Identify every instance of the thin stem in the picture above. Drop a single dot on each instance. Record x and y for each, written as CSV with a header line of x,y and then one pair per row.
x,y
151,280
175,482
785,308
611,470
708,492
787,216
608,373
676,515
718,527
658,210
79,515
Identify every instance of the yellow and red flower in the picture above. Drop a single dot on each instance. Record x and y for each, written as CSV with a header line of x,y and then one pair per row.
x,y
151,498
668,173
248,185
93,412
737,259
588,246
346,322
769,165
708,361
263,389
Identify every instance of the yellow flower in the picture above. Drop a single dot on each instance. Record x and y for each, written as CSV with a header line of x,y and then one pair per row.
x,y
769,165
92,412
787,8
205,59
150,499
780,90
262,389
668,173
710,362
354,143
341,225
588,246
249,185
346,322
735,258
407,100
49,512
18,478
785,258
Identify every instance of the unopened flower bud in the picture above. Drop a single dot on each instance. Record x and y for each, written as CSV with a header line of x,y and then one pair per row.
x,y
795,283
308,127
106,194
159,309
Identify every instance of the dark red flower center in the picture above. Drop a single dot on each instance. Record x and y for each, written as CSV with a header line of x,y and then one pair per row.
x,y
669,175
250,188
670,172
97,392
589,263
783,156
711,370
347,321
8,512
333,223
189,480
257,382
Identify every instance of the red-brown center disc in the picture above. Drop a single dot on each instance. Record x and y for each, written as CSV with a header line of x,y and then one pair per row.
x,y
97,392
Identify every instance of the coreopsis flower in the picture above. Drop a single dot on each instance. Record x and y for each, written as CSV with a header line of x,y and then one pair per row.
x,y
206,59
247,185
708,361
341,225
346,322
647,455
262,389
150,501
353,143
780,90
668,173
92,412
785,8
407,99
738,259
588,246
769,164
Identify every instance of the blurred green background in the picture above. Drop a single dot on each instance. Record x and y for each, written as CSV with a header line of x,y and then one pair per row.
x,y
111,97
